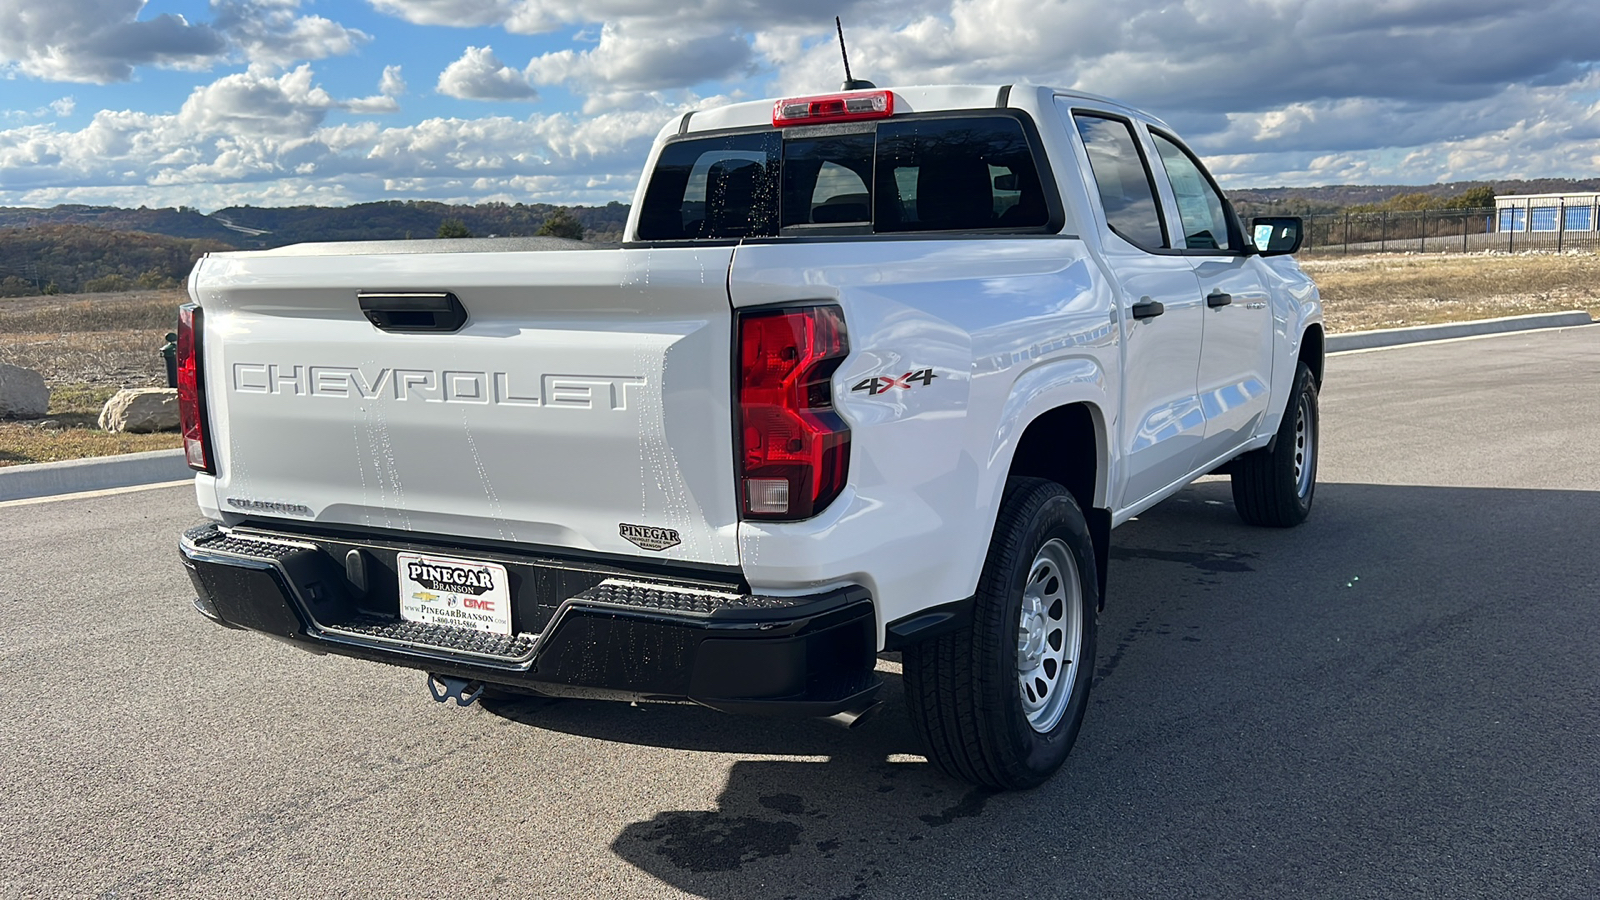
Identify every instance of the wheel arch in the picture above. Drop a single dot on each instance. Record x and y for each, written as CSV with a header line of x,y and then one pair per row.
x,y
1066,444
1312,351
1070,445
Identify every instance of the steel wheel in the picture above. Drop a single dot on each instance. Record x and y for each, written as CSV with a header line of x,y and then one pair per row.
x,y
1275,485
1305,447
1049,635
999,700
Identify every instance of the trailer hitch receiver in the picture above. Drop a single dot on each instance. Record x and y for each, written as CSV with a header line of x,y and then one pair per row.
x,y
443,688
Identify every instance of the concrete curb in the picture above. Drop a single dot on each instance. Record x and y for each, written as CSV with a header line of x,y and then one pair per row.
x,y
97,473
1394,337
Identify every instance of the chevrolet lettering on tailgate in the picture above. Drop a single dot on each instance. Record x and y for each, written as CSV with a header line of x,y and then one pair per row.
x,y
436,386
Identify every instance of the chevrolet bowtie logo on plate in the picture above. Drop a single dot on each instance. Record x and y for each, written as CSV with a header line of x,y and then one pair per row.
x,y
649,537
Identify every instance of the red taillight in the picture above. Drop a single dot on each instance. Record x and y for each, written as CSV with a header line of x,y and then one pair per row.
x,y
794,449
841,108
191,406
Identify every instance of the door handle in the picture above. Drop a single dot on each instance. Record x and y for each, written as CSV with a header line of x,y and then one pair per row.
x,y
1147,308
1218,298
411,312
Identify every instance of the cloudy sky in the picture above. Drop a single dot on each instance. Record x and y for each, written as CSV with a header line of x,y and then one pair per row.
x,y
211,103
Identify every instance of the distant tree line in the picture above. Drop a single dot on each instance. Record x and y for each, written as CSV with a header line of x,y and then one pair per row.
x,y
415,219
76,248
71,249
1472,198
73,259
383,221
561,223
1368,198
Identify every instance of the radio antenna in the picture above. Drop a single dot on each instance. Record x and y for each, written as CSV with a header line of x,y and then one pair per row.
x,y
850,83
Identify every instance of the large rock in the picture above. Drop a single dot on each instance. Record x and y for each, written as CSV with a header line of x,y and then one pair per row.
x,y
141,410
23,394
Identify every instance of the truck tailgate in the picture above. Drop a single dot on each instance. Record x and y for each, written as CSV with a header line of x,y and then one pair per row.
x,y
584,404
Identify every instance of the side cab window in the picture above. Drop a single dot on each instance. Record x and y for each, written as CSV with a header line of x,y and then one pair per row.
x,y
1122,178
1206,224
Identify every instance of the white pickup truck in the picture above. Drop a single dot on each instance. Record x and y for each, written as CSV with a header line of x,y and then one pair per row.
x,y
873,371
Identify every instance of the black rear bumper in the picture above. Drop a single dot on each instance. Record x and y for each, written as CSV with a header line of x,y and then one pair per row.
x,y
579,629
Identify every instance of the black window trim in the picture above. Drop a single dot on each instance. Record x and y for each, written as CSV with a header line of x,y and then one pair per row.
x,y
1230,221
1056,209
1149,174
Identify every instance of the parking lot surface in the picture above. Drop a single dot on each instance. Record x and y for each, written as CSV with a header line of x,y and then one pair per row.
x,y
1400,698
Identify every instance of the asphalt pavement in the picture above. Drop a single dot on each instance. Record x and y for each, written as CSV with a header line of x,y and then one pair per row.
x,y
1399,698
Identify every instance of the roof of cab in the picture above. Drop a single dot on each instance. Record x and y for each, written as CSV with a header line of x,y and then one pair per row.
x,y
917,98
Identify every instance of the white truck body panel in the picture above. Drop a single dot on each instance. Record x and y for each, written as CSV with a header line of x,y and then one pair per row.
x,y
1012,328
617,366
587,389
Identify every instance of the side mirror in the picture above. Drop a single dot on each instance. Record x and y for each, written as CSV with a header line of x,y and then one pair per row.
x,y
1276,235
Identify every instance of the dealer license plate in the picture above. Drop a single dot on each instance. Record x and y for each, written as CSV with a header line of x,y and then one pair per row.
x,y
463,593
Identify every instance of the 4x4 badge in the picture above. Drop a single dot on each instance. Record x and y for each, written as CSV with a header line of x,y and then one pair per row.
x,y
650,537
880,383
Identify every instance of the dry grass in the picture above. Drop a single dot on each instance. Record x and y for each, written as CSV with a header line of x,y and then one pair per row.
x,y
98,339
70,431
86,346
1365,292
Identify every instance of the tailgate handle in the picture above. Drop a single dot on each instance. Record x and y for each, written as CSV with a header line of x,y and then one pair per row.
x,y
411,312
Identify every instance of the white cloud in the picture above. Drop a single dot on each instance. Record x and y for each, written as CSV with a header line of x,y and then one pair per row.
x,y
480,75
264,138
56,109
271,31
644,46
257,105
646,55
456,13
1275,91
103,41
535,16
98,41
390,87
391,84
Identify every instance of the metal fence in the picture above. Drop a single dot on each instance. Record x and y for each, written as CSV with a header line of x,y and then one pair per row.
x,y
1450,231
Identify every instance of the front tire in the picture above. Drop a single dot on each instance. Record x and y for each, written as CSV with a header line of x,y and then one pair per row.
x,y
999,702
1274,487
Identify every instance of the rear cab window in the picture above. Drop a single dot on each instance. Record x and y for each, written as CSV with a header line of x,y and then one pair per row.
x,y
971,171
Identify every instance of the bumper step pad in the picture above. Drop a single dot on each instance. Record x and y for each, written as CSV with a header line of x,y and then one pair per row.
x,y
215,540
683,601
500,647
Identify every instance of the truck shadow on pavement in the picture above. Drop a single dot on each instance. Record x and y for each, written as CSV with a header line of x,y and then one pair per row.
x,y
817,814
1304,711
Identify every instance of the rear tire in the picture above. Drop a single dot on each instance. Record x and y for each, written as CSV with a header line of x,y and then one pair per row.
x,y
999,702
1274,486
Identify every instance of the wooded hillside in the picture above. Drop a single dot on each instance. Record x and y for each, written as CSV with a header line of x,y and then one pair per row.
x,y
86,248
71,259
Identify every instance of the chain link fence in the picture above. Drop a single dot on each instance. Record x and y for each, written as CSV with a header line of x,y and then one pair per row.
x,y
1555,228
